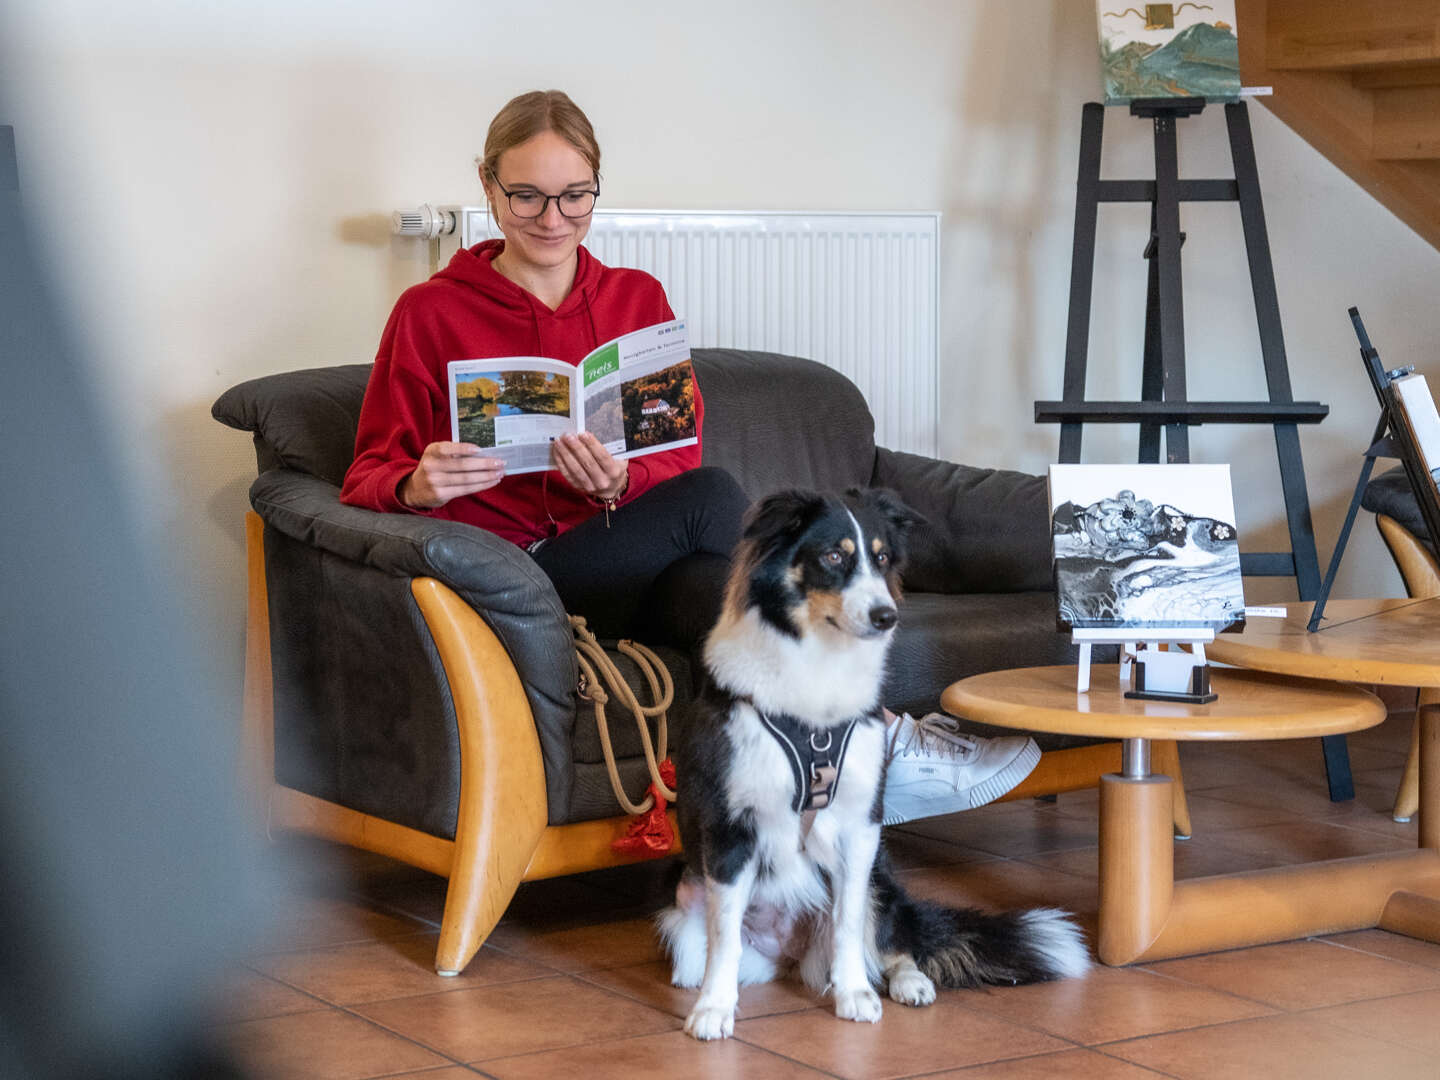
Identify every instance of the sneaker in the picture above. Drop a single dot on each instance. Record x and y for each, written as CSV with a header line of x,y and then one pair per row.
x,y
934,769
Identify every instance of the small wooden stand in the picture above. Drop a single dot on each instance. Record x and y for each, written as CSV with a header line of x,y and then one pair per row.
x,y
1137,647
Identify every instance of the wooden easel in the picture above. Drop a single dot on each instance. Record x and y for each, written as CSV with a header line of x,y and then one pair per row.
x,y
1163,402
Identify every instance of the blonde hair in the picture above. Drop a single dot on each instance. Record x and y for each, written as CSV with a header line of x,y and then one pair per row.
x,y
528,115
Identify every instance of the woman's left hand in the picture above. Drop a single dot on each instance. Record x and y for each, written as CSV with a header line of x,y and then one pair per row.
x,y
588,467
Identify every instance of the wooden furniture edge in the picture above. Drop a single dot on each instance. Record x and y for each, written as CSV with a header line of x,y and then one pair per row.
x,y
257,735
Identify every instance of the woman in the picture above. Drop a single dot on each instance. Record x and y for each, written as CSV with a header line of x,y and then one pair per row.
x,y
603,529
639,547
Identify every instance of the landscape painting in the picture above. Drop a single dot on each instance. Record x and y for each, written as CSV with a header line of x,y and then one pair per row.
x,y
1169,50
1145,547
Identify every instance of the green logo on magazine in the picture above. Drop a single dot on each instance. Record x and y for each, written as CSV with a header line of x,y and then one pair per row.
x,y
601,363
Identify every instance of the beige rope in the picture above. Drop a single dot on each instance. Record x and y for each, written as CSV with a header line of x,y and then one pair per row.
x,y
597,672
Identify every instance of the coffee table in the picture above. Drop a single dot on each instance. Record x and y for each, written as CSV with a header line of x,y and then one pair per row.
x,y
1393,642
1145,914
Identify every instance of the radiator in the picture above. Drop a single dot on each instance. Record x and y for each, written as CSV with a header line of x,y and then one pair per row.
x,y
857,292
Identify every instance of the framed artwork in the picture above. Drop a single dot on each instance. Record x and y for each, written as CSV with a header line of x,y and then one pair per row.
x,y
1169,50
1145,547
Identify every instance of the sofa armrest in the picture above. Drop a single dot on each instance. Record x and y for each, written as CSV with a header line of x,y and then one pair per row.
x,y
986,531
499,580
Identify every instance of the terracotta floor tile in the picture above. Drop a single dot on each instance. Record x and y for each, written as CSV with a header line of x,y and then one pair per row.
x,y
653,1057
516,1018
650,985
1007,830
1407,1019
1066,1065
246,995
400,967
597,944
329,1045
1395,946
1002,884
1292,1047
1110,1004
910,851
905,1042
448,1072
1308,841
1301,974
305,922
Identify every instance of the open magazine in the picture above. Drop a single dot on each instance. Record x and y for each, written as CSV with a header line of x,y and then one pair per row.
x,y
635,394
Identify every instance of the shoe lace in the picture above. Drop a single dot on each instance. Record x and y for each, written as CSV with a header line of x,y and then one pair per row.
x,y
936,735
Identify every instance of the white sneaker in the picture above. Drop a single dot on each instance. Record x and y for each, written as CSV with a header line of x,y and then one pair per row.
x,y
934,769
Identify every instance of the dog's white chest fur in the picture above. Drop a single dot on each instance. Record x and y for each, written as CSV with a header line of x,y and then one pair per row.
x,y
761,781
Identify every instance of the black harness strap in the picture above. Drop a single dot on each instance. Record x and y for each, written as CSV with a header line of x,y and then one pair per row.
x,y
816,758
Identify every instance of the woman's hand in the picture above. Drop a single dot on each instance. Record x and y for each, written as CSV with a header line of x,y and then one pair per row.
x,y
448,470
588,467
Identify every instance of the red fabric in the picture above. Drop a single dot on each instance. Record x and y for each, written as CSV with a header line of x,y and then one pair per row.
x,y
469,311
650,835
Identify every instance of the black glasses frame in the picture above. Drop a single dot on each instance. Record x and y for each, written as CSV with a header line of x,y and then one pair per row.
x,y
548,198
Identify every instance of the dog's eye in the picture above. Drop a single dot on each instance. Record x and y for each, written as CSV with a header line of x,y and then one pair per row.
x,y
832,558
882,558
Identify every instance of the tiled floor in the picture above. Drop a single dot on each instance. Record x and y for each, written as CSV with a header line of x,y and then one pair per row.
x,y
571,984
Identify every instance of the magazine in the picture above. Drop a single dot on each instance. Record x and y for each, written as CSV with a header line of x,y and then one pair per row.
x,y
636,394
1145,547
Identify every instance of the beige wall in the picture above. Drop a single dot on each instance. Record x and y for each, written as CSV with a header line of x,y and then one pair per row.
x,y
215,185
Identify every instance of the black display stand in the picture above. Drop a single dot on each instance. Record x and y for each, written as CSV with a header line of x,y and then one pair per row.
x,y
1392,439
1164,403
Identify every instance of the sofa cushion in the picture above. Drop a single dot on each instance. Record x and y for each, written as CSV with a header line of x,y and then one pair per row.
x,y
302,420
778,422
985,530
1391,494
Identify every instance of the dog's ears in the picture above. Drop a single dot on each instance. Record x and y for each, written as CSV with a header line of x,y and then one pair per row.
x,y
888,505
782,516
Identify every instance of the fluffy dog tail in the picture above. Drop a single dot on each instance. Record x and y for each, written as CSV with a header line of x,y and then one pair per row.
x,y
962,947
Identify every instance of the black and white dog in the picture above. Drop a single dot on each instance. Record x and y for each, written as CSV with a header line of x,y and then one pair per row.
x,y
782,774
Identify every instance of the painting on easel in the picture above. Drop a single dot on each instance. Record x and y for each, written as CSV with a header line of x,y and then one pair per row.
x,y
1145,547
1169,50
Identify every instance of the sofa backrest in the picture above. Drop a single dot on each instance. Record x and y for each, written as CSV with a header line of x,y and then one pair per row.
x,y
773,421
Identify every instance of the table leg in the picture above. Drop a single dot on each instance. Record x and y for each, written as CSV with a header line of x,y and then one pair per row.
x,y
1427,720
1137,855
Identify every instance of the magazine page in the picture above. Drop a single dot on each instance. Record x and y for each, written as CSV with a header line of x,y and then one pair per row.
x,y
639,391
512,407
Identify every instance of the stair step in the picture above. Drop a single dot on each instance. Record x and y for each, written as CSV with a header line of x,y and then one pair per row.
x,y
1407,123
1341,34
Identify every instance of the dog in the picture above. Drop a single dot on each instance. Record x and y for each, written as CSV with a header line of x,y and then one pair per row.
x,y
783,772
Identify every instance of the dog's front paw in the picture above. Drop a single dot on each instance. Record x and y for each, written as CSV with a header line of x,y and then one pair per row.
x,y
708,1022
861,1005
912,988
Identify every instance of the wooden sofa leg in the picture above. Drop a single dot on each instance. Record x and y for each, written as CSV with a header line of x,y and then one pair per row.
x,y
502,812
1166,757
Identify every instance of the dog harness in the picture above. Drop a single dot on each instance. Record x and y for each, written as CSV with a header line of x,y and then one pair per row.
x,y
816,758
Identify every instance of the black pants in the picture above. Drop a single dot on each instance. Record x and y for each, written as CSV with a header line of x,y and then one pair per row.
x,y
657,572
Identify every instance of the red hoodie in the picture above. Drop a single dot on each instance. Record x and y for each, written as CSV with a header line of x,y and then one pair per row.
x,y
469,311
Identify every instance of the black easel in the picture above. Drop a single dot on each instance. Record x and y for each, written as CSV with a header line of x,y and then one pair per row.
x,y
1398,443
1163,400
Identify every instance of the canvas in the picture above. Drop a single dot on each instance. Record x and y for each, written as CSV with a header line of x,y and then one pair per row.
x,y
1169,50
1145,547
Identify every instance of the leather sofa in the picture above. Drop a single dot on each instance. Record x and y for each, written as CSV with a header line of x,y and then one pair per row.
x,y
411,682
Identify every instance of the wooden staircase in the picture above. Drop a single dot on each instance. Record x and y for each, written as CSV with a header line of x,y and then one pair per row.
x,y
1360,81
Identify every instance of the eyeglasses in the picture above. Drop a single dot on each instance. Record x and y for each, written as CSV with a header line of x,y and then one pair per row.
x,y
528,203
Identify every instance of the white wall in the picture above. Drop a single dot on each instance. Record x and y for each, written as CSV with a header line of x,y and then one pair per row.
x,y
215,184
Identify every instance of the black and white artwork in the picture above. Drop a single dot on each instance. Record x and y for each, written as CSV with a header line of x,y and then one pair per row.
x,y
1145,547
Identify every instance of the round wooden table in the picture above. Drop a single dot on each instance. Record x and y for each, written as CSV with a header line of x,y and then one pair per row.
x,y
1144,913
1392,642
